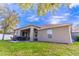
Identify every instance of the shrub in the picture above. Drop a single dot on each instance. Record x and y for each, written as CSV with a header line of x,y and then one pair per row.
x,y
77,37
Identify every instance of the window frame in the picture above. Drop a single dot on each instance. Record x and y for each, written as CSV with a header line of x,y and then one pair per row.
x,y
49,33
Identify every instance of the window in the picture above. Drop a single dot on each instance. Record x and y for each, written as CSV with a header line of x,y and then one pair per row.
x,y
49,32
49,35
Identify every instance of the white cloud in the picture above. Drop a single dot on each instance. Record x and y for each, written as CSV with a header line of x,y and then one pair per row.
x,y
62,16
1,19
66,14
54,21
75,23
57,16
33,18
77,16
57,19
73,5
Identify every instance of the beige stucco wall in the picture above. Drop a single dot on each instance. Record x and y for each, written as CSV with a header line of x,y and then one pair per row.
x,y
59,34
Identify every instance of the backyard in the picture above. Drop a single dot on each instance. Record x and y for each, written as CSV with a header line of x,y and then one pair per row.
x,y
8,48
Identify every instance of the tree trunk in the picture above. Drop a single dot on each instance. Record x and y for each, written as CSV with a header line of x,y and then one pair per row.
x,y
3,34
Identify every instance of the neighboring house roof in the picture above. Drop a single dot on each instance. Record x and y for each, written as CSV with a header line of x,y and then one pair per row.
x,y
47,26
75,30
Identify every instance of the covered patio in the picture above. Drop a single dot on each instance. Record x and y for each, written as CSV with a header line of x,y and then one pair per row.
x,y
27,34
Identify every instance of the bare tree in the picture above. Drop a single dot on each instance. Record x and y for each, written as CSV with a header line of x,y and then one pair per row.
x,y
10,19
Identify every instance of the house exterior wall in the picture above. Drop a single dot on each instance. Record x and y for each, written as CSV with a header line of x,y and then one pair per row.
x,y
59,34
31,34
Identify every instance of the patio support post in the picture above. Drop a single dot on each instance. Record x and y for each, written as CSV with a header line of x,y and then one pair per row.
x,y
31,33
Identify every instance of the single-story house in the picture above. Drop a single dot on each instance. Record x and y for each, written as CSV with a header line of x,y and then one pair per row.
x,y
50,33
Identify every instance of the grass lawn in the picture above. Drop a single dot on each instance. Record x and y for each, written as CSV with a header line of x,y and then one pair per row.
x,y
8,48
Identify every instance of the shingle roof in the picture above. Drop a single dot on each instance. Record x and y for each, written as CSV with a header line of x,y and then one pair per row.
x,y
28,26
53,26
46,26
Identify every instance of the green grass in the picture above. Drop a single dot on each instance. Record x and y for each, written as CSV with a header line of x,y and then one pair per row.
x,y
8,48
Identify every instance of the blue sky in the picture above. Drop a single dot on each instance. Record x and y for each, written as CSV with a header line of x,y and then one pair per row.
x,y
63,15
